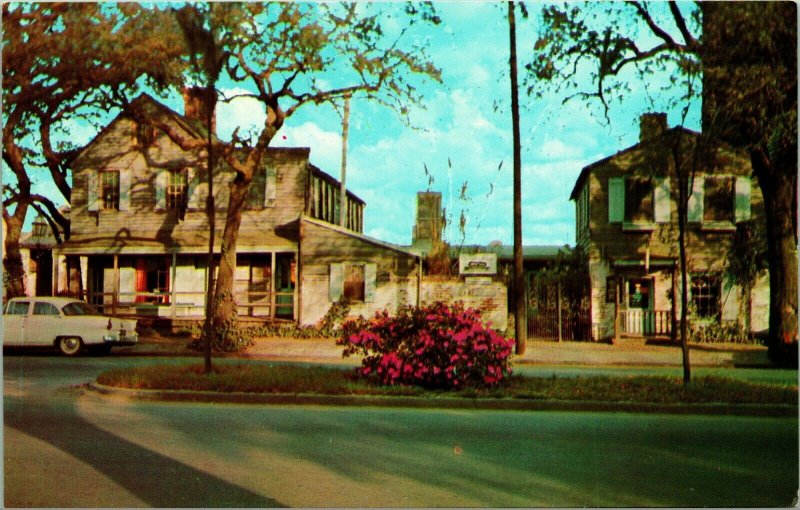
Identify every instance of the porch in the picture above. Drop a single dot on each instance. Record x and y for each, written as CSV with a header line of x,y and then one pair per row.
x,y
174,285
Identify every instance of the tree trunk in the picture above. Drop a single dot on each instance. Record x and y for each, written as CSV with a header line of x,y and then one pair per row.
x,y
778,188
224,303
520,312
12,262
682,208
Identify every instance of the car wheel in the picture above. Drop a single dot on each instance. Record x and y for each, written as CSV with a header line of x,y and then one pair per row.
x,y
70,345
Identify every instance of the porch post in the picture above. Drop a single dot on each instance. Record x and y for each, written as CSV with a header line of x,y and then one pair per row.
x,y
617,325
115,296
272,286
673,334
173,294
83,261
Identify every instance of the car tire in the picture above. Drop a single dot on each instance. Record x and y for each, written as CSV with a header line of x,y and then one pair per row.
x,y
70,345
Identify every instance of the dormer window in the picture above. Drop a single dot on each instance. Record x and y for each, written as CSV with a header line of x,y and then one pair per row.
x,y
176,189
145,134
109,189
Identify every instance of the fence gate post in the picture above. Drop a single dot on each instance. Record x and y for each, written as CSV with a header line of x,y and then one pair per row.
x,y
558,302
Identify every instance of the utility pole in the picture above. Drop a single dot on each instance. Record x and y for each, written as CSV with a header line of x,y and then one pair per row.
x,y
345,129
520,313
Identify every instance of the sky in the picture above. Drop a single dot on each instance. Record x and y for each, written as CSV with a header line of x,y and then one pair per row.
x,y
462,134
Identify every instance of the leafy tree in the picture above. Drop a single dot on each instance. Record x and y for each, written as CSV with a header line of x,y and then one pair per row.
x,y
62,63
750,100
747,59
292,55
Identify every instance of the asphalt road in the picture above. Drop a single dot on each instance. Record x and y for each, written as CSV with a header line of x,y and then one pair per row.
x,y
66,447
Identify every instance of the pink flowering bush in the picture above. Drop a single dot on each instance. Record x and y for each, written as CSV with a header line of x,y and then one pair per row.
x,y
436,346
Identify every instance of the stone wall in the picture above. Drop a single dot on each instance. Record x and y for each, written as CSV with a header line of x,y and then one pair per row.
x,y
483,293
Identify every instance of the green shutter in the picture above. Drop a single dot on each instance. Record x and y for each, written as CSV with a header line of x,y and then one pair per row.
x,y
270,188
336,282
92,190
694,210
162,178
124,189
661,199
616,199
370,282
743,197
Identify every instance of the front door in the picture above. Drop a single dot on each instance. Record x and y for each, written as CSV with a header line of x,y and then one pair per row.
x,y
285,278
639,319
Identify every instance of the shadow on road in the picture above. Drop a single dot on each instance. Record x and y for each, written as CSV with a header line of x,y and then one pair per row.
x,y
156,479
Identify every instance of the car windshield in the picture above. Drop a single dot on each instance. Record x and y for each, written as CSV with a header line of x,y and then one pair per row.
x,y
79,308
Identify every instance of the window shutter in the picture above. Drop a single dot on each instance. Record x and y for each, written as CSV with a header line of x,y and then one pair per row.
x,y
124,189
336,283
92,190
743,197
661,200
616,199
370,282
193,200
161,189
270,191
694,209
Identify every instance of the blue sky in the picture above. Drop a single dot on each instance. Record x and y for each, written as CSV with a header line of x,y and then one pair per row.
x,y
458,122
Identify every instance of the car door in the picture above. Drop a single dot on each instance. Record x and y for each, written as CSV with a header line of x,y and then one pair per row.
x,y
14,321
43,324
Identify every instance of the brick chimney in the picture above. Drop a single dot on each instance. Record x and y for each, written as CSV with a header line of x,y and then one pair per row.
x,y
652,125
194,106
430,219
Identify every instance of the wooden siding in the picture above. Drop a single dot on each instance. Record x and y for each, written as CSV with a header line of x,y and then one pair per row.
x,y
270,223
617,240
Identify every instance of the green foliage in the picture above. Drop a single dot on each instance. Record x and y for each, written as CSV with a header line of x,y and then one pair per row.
x,y
584,49
747,254
719,332
227,336
435,346
292,379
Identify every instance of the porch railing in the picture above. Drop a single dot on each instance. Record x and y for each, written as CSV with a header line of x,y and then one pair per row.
x,y
189,304
646,322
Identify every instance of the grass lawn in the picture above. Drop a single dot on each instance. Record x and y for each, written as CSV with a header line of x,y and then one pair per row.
x,y
293,379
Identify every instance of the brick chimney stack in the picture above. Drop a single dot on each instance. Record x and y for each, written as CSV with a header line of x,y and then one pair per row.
x,y
652,125
194,106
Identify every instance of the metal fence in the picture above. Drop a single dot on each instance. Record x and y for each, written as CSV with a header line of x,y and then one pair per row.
x,y
573,324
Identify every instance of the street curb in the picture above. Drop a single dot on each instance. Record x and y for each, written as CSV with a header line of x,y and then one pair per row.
x,y
494,404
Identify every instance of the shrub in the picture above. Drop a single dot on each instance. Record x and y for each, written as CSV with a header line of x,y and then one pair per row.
x,y
436,346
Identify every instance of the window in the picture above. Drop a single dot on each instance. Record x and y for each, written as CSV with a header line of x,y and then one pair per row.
x,y
145,134
44,309
639,200
109,189
705,296
176,190
79,308
719,199
354,282
17,308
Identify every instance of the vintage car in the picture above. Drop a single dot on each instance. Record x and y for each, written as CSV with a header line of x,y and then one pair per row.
x,y
68,324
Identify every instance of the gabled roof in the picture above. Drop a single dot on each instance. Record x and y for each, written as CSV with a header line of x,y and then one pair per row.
x,y
357,235
588,168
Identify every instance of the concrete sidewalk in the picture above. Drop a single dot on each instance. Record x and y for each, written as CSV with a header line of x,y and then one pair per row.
x,y
633,352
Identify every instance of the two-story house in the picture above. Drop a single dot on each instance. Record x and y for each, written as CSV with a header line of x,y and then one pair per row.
x,y
140,231
627,223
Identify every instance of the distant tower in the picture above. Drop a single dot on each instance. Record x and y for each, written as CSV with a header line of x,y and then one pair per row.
x,y
430,220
